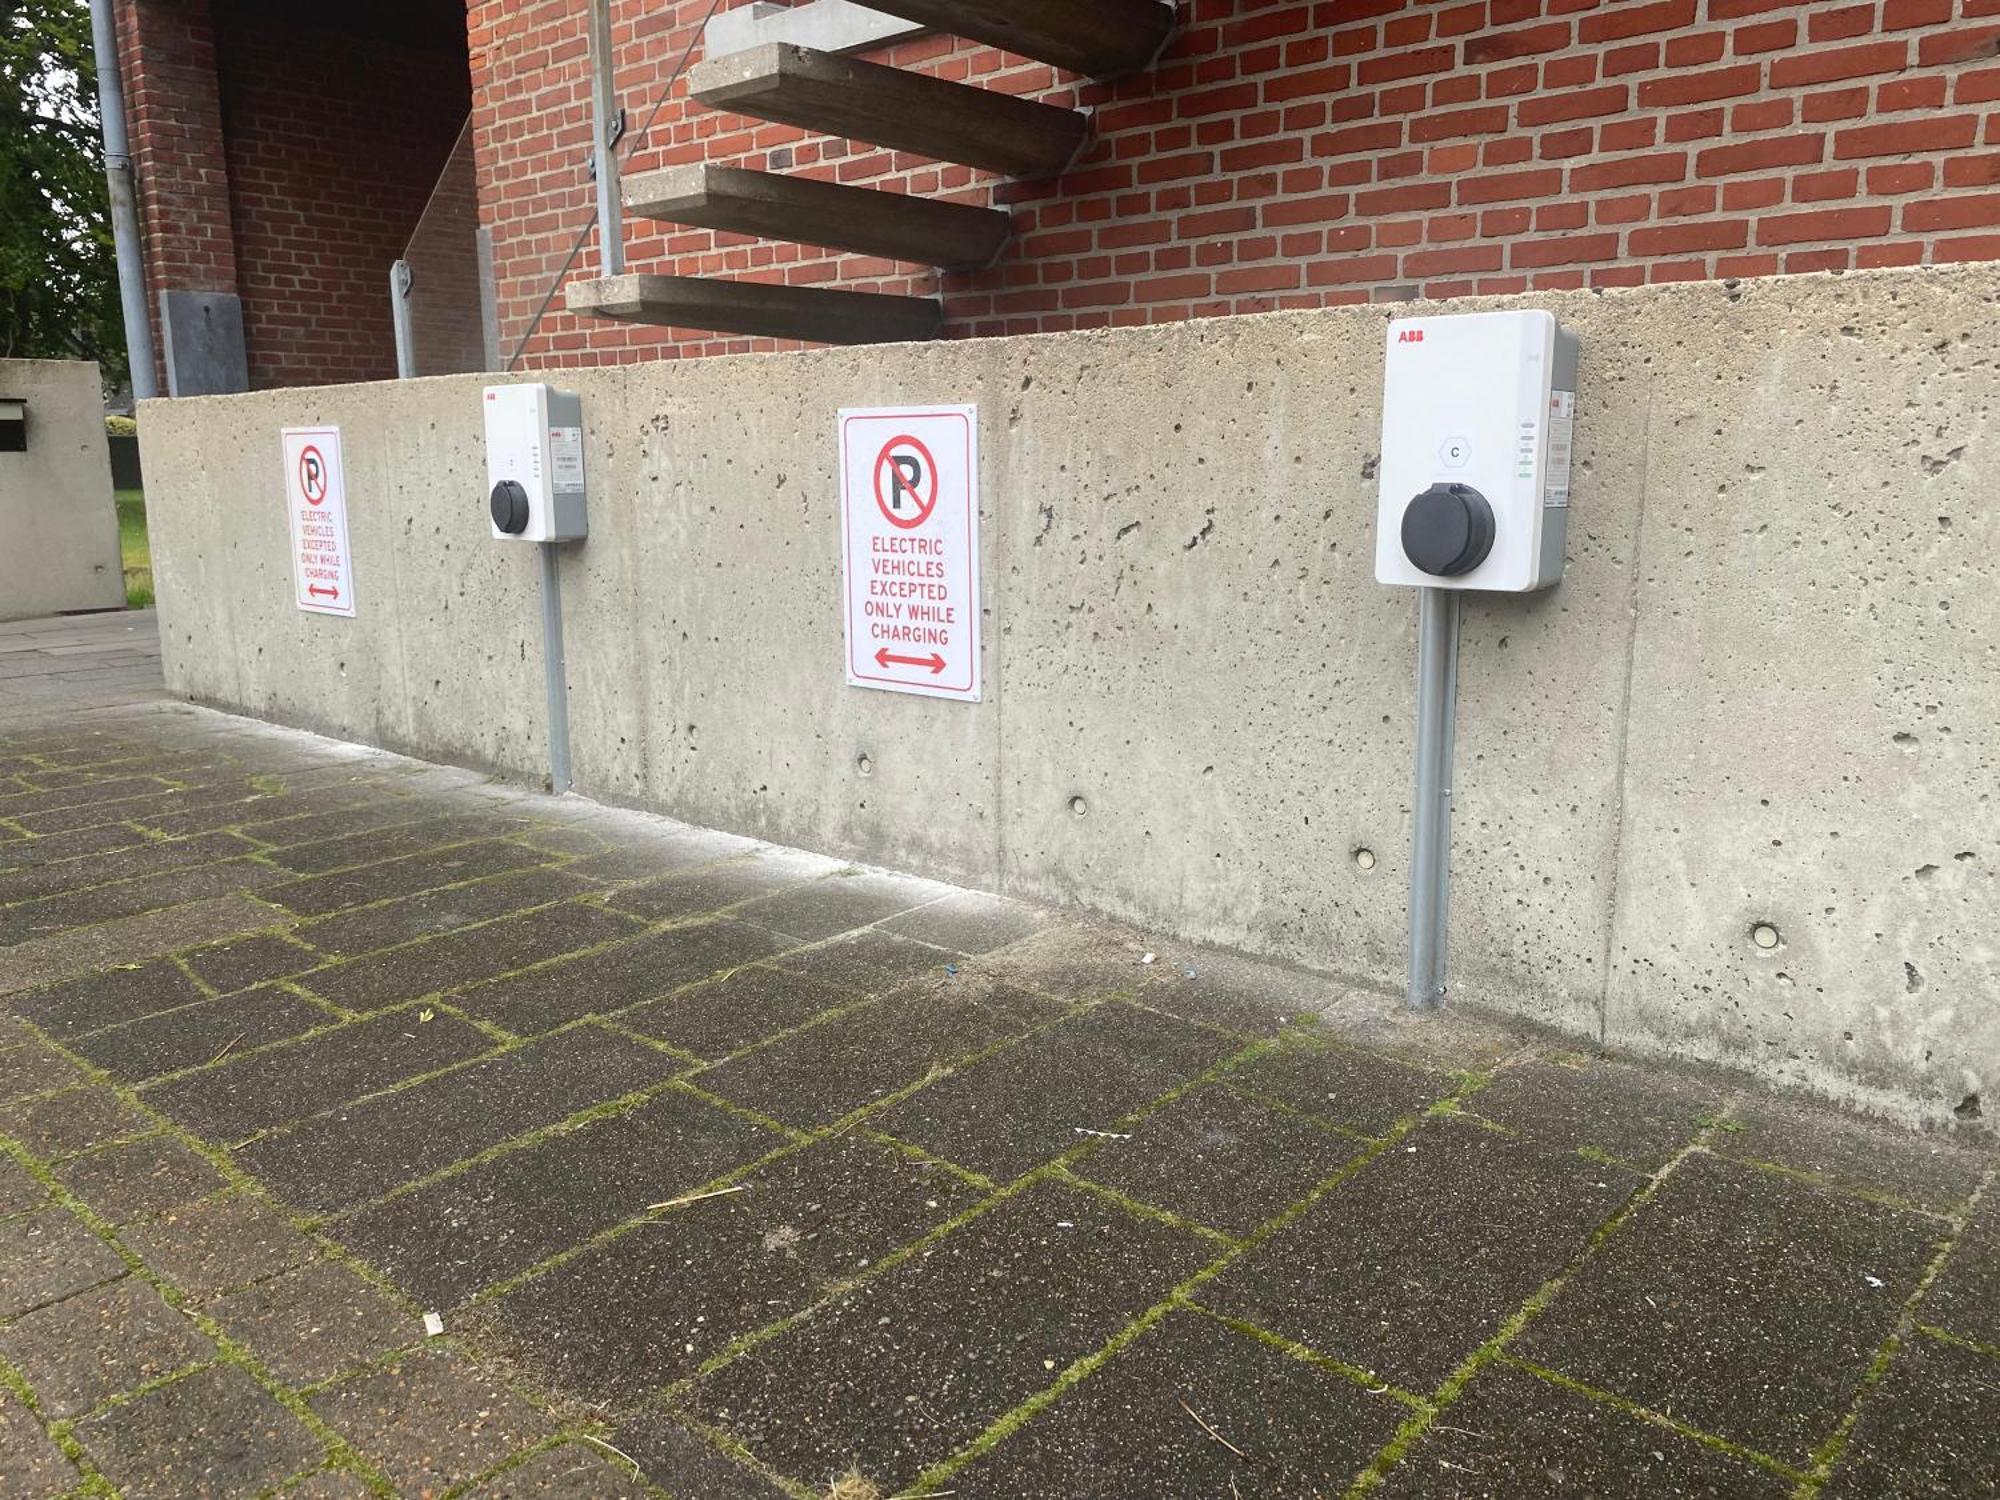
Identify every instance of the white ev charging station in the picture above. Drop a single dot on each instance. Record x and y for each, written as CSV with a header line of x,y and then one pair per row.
x,y
1477,415
535,493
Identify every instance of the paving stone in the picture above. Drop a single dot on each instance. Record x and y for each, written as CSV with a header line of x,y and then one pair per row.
x,y
51,914
1965,1298
1414,1262
1925,1170
200,1033
242,1095
1930,1432
329,813
33,1068
613,979
128,940
1356,1089
319,894
144,806
32,1467
216,1433
1514,1437
1741,1302
89,794
65,1124
330,1484
1125,1430
209,1246
839,903
82,1351
820,1074
683,1462
23,854
121,864
709,1272
626,862
430,1421
139,1179
561,1474
425,835
257,960
448,1241
309,1324
49,1255
436,912
464,957
872,963
909,1367
969,922
1640,1117
1075,959
1220,1159
712,888
362,1151
106,999
713,1020
1033,1101
20,1189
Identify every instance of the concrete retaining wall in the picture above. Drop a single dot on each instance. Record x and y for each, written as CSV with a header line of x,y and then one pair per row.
x,y
58,526
1766,692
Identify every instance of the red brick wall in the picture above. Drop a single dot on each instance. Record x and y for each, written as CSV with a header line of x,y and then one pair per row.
x,y
334,142
1298,154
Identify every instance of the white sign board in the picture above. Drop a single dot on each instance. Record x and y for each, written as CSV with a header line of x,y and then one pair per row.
x,y
909,530
316,498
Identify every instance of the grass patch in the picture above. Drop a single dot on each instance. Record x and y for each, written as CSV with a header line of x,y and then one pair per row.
x,y
136,550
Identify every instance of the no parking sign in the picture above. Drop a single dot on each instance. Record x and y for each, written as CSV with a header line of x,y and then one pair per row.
x,y
316,501
909,522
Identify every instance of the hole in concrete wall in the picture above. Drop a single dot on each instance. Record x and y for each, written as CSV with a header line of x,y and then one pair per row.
x,y
1967,1108
1765,936
1078,808
1364,859
1912,979
863,765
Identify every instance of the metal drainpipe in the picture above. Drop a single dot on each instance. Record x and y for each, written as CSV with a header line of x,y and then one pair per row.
x,y
124,203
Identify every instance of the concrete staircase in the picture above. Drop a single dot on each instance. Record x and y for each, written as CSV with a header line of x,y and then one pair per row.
x,y
883,106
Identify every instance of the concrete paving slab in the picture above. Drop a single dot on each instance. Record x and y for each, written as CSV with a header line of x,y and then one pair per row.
x,y
668,1451
1742,1302
1055,1091
227,967
1933,1432
81,1352
60,1125
337,1160
900,1373
1356,1090
1859,1155
1965,1298
31,1465
431,1421
310,1324
726,1015
612,979
436,912
34,1068
217,1243
1512,1436
562,1473
215,1433
1591,1104
68,954
1425,1253
714,887
242,1095
109,997
737,1262
50,1255
840,903
1291,1427
140,1179
317,895
202,1033
20,1189
499,1218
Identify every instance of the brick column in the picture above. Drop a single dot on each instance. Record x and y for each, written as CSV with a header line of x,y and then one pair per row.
x,y
167,53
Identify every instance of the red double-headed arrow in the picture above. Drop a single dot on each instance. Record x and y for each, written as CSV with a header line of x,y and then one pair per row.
x,y
885,657
319,593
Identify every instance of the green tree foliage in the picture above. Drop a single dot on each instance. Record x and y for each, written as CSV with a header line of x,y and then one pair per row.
x,y
58,273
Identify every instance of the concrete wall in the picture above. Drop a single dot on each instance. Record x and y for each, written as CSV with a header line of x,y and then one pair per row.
x,y
1766,692
58,526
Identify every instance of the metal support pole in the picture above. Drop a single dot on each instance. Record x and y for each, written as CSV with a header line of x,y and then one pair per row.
x,y
604,117
124,203
555,670
400,280
1430,854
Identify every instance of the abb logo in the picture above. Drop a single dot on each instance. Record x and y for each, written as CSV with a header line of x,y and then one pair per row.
x,y
1410,336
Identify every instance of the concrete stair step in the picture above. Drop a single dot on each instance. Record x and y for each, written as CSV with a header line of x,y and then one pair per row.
x,y
1098,38
759,309
772,206
885,106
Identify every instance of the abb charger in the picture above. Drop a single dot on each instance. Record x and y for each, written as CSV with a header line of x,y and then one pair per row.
x,y
1477,411
534,463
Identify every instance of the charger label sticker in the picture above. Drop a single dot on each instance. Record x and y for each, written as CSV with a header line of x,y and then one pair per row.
x,y
566,458
1562,431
